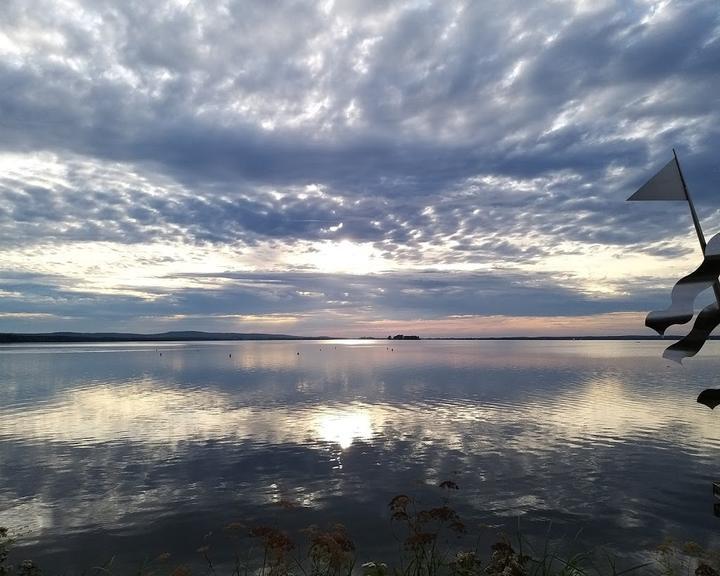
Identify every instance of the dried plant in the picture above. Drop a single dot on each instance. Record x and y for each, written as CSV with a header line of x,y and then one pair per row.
x,y
425,545
331,552
276,549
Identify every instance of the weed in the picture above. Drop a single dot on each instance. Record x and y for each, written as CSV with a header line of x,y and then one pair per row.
x,y
429,540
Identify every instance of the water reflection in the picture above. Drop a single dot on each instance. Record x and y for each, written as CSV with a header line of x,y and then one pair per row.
x,y
152,415
345,426
130,443
149,413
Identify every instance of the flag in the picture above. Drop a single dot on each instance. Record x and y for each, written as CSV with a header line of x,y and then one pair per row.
x,y
665,185
707,320
687,289
668,184
682,308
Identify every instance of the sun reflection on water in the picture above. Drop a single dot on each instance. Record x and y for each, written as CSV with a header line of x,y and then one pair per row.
x,y
344,427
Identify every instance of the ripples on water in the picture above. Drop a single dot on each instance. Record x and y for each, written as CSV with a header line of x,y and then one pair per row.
x,y
143,448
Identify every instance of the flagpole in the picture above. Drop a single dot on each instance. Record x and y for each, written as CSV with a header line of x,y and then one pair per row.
x,y
696,222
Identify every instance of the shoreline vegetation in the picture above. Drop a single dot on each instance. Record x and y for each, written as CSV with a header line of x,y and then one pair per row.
x,y
431,541
199,336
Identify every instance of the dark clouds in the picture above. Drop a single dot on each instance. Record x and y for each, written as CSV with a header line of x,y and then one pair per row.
x,y
430,295
446,134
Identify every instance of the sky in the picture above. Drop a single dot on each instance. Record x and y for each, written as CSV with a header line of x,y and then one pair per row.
x,y
351,168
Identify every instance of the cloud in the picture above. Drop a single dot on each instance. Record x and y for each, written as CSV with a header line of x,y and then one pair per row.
x,y
432,303
446,136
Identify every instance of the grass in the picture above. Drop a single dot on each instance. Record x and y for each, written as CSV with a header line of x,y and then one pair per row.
x,y
431,541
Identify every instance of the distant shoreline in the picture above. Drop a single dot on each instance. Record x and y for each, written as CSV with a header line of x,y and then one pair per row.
x,y
185,336
190,336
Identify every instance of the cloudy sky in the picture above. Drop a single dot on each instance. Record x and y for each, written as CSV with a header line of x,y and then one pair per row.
x,y
351,167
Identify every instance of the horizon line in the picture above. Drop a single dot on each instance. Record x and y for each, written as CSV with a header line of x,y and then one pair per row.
x,y
200,335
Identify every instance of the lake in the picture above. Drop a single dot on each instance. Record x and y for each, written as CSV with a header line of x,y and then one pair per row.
x,y
130,450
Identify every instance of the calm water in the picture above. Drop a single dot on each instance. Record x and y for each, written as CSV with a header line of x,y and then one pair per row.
x,y
130,450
